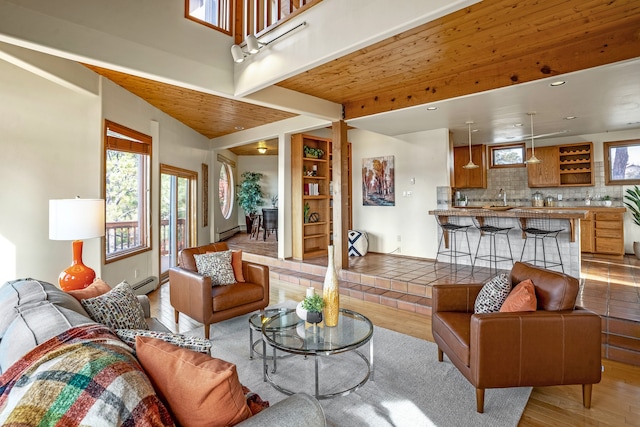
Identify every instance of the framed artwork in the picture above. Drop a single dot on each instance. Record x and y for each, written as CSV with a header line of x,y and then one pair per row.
x,y
205,195
378,181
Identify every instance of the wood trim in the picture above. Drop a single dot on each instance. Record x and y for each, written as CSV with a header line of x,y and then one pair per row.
x,y
607,161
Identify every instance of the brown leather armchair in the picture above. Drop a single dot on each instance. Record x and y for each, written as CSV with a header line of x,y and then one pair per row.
x,y
192,294
558,344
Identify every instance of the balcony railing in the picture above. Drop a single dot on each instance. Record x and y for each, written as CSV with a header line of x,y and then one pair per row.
x,y
125,235
259,16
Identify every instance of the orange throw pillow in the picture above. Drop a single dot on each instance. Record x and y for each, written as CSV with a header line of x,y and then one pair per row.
x,y
236,263
521,298
97,288
199,390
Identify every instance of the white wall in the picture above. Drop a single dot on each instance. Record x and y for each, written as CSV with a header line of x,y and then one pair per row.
x,y
421,156
266,165
48,152
51,147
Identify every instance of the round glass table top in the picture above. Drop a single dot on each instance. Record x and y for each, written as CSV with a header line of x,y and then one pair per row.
x,y
352,331
259,319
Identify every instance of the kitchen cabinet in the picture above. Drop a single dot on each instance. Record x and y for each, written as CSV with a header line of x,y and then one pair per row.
x,y
545,173
576,164
586,233
602,232
562,166
469,178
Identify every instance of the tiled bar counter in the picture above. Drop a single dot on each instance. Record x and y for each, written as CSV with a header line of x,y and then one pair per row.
x,y
566,219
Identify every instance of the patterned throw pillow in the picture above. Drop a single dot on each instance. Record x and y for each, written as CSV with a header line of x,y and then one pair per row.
x,y
200,345
216,265
118,309
493,294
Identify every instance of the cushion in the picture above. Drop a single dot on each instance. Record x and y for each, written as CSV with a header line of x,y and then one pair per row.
x,y
35,323
97,288
216,265
236,263
554,290
358,243
118,309
200,345
521,298
21,292
493,294
198,389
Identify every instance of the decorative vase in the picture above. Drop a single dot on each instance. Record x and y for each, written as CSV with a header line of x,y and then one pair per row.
x,y
330,292
314,316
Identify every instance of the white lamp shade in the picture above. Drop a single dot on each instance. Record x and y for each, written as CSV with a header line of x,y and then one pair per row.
x,y
76,219
252,44
236,52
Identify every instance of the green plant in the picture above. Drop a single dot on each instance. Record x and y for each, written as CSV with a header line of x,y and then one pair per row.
x,y
313,152
313,304
633,197
606,197
307,208
250,192
274,200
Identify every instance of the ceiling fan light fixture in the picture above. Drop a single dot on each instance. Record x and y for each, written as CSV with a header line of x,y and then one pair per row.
x,y
262,150
470,165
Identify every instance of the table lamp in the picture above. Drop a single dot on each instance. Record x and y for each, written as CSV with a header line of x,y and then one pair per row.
x,y
76,219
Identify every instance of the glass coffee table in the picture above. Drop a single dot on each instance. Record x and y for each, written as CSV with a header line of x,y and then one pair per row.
x,y
257,320
352,332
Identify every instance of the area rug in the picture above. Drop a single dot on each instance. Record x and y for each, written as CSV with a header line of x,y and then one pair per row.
x,y
410,386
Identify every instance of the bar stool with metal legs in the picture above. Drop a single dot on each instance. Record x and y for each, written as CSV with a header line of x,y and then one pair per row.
x,y
451,228
490,226
538,227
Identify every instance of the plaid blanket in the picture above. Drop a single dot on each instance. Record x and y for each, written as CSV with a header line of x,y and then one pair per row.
x,y
84,376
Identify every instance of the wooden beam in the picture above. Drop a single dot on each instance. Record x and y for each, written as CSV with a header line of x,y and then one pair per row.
x,y
340,174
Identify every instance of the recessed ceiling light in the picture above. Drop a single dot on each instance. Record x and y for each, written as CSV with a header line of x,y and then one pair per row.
x,y
518,125
432,108
239,128
558,83
570,117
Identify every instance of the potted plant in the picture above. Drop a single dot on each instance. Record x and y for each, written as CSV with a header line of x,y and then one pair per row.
x,y
274,201
313,153
313,305
250,196
633,203
607,200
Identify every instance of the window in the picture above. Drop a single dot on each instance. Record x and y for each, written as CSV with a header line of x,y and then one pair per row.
x,y
225,190
622,162
507,156
212,13
127,163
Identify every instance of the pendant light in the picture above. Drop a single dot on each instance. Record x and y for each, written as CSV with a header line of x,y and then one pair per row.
x,y
470,165
533,159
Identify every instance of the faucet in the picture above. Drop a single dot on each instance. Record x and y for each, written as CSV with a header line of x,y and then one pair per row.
x,y
503,194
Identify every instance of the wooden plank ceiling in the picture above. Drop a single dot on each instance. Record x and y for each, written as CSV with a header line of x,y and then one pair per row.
x,y
492,44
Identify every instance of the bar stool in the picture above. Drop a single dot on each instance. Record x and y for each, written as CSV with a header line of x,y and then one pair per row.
x,y
490,226
450,227
538,227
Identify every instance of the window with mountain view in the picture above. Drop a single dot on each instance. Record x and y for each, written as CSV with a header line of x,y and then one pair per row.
x,y
127,160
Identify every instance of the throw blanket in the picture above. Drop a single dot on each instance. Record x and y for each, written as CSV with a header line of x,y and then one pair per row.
x,y
84,376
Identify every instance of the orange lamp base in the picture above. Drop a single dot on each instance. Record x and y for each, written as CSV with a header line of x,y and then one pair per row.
x,y
78,275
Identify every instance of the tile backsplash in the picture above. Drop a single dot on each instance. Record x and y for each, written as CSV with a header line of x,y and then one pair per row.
x,y
514,182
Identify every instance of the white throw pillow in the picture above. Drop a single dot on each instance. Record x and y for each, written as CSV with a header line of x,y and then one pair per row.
x,y
493,294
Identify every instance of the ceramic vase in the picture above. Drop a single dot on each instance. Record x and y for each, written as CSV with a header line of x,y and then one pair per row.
x,y
330,292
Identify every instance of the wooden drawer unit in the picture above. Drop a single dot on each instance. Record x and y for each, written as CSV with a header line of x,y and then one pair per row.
x,y
608,233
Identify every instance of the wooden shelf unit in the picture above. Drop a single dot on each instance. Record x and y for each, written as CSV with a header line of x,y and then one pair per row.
x,y
310,239
576,164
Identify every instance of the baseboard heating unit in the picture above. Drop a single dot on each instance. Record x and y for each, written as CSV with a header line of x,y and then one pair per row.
x,y
224,235
145,286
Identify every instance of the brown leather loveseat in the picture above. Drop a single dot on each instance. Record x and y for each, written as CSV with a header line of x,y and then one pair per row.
x,y
193,294
558,344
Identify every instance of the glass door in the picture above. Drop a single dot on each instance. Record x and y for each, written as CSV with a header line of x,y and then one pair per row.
x,y
177,215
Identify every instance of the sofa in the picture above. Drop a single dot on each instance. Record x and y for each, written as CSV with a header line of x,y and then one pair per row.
x,y
58,365
522,329
193,293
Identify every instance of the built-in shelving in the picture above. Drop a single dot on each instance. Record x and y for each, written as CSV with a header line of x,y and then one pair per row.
x,y
576,164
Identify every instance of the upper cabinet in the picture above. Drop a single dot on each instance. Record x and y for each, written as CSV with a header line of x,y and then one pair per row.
x,y
470,178
545,173
562,166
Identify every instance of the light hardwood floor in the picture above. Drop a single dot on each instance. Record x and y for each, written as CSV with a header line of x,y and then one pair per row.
x,y
616,399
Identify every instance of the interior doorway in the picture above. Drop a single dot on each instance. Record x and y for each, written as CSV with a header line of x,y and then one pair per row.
x,y
178,215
